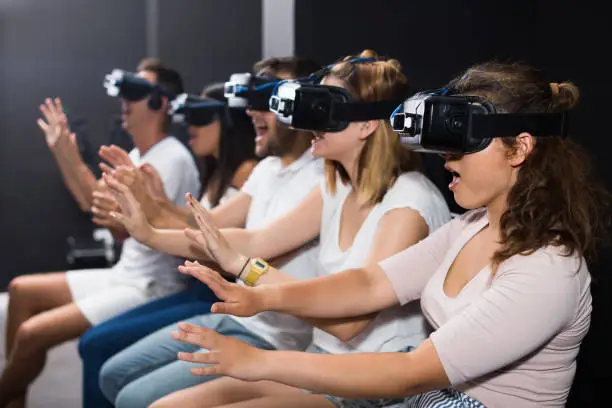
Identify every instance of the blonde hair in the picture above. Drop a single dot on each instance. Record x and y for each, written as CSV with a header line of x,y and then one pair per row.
x,y
382,158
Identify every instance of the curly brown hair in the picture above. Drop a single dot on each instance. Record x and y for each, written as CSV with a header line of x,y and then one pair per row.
x,y
557,199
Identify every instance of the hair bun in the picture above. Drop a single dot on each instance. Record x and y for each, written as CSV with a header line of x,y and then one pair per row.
x,y
565,95
368,53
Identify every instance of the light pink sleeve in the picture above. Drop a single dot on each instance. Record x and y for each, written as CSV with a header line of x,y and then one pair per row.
x,y
528,303
409,270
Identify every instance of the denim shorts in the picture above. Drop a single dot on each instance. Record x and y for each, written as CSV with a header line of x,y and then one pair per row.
x,y
360,403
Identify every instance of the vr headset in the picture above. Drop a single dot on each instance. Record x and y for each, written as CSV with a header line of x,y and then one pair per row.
x,y
434,122
322,108
129,86
245,90
196,110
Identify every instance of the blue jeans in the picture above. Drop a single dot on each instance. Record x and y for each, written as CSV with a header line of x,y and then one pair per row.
x,y
101,342
149,369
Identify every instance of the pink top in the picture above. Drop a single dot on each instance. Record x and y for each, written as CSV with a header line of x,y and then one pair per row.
x,y
508,342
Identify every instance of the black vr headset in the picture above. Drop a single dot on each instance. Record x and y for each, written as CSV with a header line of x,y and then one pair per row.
x,y
306,105
129,86
245,90
196,110
436,122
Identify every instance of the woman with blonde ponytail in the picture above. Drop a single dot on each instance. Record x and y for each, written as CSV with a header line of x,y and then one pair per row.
x,y
373,203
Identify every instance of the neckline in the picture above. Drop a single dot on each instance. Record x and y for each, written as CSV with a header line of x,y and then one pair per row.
x,y
465,237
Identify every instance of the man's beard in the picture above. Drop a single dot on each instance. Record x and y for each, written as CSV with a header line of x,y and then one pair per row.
x,y
283,141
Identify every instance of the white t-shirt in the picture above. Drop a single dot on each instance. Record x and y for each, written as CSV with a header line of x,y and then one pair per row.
x,y
398,327
229,193
276,190
139,264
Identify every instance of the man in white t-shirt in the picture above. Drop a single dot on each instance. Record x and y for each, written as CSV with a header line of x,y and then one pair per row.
x,y
149,369
48,309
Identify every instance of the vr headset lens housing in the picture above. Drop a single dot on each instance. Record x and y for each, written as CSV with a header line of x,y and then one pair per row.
x,y
323,108
431,123
128,86
195,110
308,106
245,90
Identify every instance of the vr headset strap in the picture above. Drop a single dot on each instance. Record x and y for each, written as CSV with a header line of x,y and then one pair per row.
x,y
512,124
362,111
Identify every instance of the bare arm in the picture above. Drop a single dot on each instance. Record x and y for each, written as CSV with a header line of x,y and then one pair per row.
x,y
283,235
77,177
362,376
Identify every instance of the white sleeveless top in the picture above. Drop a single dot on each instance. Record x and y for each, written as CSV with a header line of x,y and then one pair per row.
x,y
399,327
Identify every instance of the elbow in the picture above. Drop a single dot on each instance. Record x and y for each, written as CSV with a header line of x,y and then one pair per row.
x,y
348,332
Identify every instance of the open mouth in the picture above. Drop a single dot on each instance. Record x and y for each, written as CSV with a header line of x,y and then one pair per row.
x,y
456,179
261,130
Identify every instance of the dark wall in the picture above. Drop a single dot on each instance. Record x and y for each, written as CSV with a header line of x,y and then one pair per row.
x,y
435,40
64,48
208,40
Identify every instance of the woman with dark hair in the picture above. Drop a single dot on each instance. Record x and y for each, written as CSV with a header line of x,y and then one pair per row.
x,y
505,286
225,150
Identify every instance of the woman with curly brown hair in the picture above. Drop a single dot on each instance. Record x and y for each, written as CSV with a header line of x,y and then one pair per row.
x,y
506,286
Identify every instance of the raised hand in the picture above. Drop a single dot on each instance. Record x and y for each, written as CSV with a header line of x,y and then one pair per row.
x,y
237,300
134,179
55,124
154,183
115,156
212,240
131,216
227,355
103,204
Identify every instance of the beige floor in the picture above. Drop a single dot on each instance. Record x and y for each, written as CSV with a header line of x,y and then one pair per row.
x,y
59,386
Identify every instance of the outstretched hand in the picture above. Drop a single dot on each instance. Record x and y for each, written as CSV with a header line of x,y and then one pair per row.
x,y
226,356
237,300
131,216
55,125
212,240
115,156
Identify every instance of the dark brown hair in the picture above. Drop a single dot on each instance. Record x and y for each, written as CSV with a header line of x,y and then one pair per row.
x,y
382,158
168,79
297,67
556,199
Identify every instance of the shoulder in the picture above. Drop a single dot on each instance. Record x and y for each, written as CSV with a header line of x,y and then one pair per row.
x,y
415,191
266,164
550,260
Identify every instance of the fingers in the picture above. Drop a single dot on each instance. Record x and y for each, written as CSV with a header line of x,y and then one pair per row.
x,y
196,335
213,370
42,125
104,201
106,168
149,170
115,156
217,284
59,107
199,358
195,236
48,112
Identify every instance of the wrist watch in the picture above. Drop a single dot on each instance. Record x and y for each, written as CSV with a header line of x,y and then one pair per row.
x,y
256,268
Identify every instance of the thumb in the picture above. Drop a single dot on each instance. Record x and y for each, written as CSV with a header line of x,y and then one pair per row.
x,y
233,309
73,138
